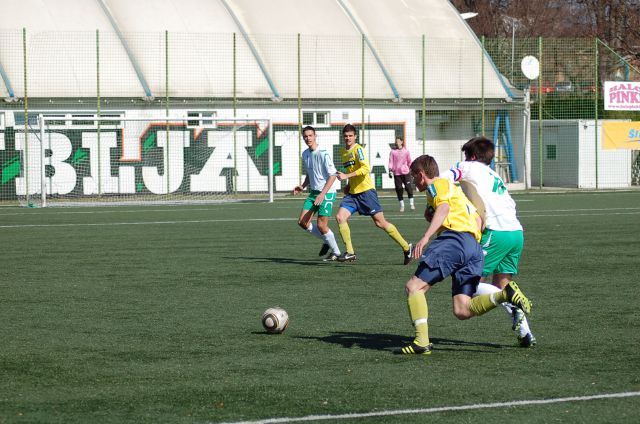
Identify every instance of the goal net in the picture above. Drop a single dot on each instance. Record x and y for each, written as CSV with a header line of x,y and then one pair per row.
x,y
118,160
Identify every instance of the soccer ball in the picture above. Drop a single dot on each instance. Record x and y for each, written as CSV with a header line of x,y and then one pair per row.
x,y
275,320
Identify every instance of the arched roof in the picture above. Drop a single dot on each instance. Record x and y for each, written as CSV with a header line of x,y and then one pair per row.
x,y
62,49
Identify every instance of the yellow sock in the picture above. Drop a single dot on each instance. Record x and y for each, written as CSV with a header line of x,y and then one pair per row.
x,y
419,312
397,237
500,296
484,303
345,233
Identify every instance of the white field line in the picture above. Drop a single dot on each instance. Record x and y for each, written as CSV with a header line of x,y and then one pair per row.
x,y
117,210
607,212
435,410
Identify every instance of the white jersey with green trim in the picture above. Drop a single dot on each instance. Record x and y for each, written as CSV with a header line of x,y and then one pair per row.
x,y
500,207
319,167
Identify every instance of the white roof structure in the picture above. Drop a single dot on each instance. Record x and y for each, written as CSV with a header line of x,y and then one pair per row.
x,y
62,37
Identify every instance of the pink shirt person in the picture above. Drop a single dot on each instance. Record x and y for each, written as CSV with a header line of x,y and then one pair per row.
x,y
399,166
399,161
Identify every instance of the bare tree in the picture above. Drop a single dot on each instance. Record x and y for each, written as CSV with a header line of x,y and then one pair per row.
x,y
616,22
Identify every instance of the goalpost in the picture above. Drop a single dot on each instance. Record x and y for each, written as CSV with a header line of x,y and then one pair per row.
x,y
71,161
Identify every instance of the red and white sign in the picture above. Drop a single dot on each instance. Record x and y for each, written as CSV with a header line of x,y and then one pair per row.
x,y
622,95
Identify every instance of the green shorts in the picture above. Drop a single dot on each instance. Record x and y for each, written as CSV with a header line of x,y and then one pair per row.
x,y
502,251
325,208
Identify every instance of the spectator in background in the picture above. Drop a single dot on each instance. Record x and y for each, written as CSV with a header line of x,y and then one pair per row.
x,y
399,163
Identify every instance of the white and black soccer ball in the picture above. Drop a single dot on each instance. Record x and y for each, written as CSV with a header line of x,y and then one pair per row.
x,y
275,320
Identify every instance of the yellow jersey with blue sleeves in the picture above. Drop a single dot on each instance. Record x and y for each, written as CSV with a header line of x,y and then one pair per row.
x,y
462,214
355,160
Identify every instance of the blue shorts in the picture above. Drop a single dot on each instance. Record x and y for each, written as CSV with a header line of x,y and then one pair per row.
x,y
365,203
453,254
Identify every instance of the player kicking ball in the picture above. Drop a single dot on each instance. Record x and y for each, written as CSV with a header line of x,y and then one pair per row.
x,y
321,174
502,237
454,252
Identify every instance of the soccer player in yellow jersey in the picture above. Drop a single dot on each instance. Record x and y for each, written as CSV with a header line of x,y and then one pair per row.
x,y
454,252
361,196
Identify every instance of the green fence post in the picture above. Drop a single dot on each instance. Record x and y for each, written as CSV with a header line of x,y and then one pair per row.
x,y
98,108
424,99
235,102
26,116
362,100
299,118
540,94
597,69
166,101
482,85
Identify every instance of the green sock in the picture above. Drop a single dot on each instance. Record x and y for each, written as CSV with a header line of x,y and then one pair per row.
x,y
396,236
419,311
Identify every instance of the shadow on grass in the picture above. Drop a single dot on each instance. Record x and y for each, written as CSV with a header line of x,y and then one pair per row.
x,y
389,342
309,262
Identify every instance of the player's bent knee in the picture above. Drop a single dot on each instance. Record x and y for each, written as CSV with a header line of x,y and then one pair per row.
x,y
341,218
461,308
462,314
415,285
383,225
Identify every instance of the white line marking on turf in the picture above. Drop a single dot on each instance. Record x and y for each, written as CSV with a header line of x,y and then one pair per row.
x,y
437,409
107,224
206,221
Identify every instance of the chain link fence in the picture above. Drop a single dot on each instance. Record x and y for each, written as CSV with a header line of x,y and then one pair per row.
x,y
435,93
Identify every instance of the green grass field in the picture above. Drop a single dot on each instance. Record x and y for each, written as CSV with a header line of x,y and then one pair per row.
x,y
152,315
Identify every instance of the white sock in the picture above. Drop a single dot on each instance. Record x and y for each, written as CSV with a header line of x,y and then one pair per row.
x,y
330,239
313,229
485,288
524,325
524,328
508,308
401,204
411,201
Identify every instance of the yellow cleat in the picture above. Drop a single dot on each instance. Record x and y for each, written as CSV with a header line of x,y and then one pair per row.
x,y
514,295
415,349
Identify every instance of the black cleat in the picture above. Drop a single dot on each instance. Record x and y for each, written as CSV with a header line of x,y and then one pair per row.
x,y
324,249
527,341
408,255
414,349
347,257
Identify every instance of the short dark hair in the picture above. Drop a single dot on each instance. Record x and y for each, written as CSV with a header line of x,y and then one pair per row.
x,y
480,149
308,128
427,164
349,128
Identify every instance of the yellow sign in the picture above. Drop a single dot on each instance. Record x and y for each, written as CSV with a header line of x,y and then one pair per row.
x,y
621,135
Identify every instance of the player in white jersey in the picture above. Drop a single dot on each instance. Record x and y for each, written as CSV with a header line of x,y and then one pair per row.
x,y
502,237
321,174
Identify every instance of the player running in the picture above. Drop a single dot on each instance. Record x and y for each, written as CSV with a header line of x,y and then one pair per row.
x,y
502,238
454,252
321,174
361,196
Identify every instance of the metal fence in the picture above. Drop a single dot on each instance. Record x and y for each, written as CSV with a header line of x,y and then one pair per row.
x,y
436,93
